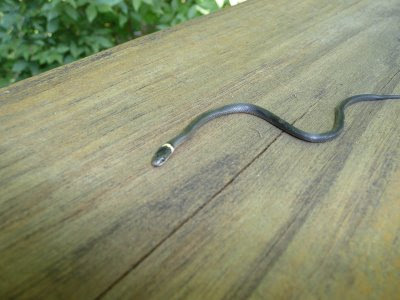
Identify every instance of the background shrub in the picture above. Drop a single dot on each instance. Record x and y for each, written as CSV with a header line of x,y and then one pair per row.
x,y
38,35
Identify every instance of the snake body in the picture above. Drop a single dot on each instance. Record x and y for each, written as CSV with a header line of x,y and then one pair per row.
x,y
165,151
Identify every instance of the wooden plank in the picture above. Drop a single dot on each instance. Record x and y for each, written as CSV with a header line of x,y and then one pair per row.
x,y
242,210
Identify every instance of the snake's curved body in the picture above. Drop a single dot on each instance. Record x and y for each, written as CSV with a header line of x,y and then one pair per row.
x,y
165,151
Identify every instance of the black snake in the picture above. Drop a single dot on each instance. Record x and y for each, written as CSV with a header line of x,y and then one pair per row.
x,y
165,151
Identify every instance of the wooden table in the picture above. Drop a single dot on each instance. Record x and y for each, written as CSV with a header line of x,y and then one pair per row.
x,y
242,210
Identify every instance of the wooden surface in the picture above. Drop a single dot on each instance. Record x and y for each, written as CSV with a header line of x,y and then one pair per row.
x,y
240,211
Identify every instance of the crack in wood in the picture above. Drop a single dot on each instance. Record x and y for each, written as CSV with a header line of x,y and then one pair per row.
x,y
207,202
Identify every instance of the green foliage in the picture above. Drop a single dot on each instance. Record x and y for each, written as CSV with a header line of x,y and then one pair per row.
x,y
38,35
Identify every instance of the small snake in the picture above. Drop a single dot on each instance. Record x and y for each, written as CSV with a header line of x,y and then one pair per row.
x,y
165,151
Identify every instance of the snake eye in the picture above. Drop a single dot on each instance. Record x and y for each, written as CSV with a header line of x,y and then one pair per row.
x,y
162,154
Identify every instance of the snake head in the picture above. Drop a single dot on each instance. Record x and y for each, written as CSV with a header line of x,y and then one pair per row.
x,y
162,155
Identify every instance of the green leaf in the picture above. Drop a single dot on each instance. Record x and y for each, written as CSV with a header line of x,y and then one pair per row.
x,y
202,10
72,2
156,7
82,2
39,42
123,7
47,7
108,2
71,12
8,20
192,12
91,12
103,42
102,8
53,57
136,4
34,68
25,52
54,3
122,20
75,50
220,3
19,66
52,26
175,5
68,59
52,14
62,48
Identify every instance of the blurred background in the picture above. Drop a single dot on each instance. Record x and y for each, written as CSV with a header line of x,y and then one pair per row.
x,y
37,35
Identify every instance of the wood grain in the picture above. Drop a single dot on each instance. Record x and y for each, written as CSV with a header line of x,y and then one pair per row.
x,y
242,210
